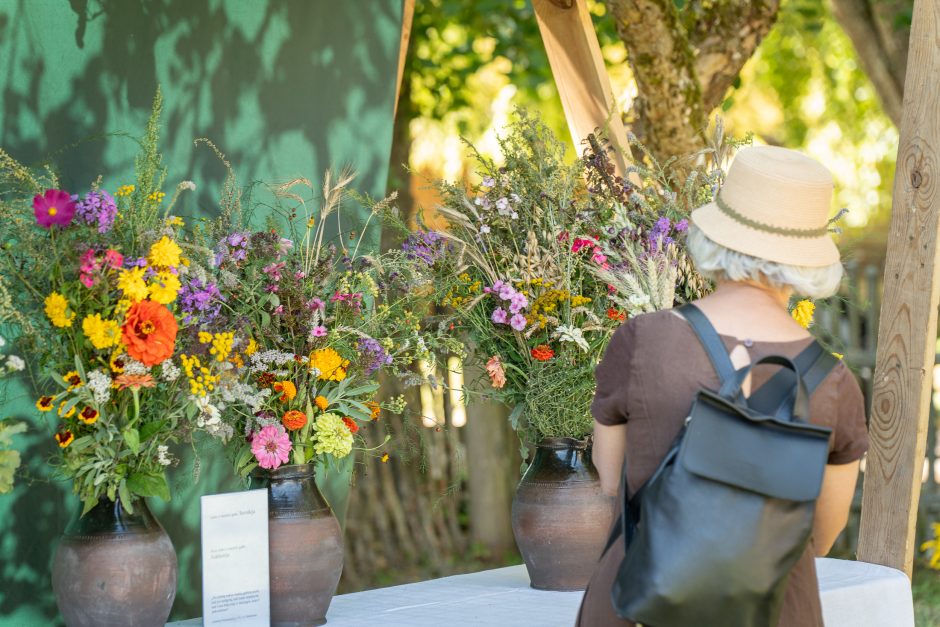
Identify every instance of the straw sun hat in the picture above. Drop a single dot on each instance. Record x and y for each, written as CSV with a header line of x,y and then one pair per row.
x,y
774,205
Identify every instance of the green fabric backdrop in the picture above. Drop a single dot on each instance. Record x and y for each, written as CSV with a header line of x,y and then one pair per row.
x,y
286,88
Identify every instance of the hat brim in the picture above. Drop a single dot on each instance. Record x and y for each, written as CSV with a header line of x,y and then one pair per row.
x,y
811,252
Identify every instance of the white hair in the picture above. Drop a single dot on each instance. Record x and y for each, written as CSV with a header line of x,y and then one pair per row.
x,y
715,262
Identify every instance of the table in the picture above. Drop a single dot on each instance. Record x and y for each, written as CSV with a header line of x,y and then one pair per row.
x,y
854,594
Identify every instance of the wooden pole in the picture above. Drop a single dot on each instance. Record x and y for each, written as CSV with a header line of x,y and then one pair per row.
x,y
574,55
908,328
407,16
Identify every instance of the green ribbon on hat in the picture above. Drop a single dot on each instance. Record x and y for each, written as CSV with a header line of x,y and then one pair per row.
x,y
767,228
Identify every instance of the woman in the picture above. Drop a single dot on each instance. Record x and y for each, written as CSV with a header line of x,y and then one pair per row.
x,y
763,240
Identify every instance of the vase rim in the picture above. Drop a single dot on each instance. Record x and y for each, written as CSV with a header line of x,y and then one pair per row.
x,y
563,443
286,471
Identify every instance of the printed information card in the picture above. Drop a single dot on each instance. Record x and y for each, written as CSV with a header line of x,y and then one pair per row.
x,y
235,585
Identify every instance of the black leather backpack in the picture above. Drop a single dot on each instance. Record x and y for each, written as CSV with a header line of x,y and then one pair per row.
x,y
712,536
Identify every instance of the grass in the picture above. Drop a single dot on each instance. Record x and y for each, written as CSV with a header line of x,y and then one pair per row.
x,y
926,597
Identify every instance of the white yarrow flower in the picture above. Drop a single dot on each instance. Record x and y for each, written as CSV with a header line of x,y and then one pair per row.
x,y
15,362
169,371
164,457
100,385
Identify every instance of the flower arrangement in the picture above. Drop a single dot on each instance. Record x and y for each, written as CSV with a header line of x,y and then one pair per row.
x,y
95,279
545,258
311,322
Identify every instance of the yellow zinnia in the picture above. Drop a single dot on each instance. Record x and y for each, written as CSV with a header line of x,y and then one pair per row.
x,y
57,308
332,436
165,253
164,287
329,363
131,282
101,333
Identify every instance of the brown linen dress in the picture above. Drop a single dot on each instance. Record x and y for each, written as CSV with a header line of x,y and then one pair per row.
x,y
647,380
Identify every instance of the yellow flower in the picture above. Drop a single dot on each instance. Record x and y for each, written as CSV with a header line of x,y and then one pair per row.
x,y
45,403
205,337
101,333
332,436
838,355
252,347
131,282
321,403
286,389
124,190
165,253
89,415
73,379
117,361
122,306
803,313
384,458
329,364
57,308
222,345
164,287
174,221
69,413
156,196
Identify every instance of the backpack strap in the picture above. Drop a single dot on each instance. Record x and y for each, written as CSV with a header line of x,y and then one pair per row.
x,y
711,341
776,395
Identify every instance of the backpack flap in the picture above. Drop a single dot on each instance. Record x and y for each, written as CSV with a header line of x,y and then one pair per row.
x,y
777,458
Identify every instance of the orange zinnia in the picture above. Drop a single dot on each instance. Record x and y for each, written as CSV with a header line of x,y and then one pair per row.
x,y
542,352
350,424
294,420
287,390
374,408
149,332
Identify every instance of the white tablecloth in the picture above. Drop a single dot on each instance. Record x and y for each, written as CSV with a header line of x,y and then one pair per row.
x,y
854,594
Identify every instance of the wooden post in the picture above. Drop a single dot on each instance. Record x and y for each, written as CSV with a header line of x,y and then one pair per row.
x,y
908,327
407,16
580,76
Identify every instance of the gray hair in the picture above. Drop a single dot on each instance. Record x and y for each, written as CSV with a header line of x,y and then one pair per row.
x,y
715,262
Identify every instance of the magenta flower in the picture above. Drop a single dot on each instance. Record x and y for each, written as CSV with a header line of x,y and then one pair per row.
x,y
518,302
318,331
517,322
53,207
499,316
271,446
581,242
113,258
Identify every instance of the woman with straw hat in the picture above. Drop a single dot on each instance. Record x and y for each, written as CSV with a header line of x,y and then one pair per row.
x,y
762,240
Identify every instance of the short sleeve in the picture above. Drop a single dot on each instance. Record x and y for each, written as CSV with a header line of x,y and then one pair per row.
x,y
850,435
612,376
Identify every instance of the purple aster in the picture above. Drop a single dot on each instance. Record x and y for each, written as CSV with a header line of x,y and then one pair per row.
x,y
202,299
97,209
373,355
499,316
428,246
682,225
517,322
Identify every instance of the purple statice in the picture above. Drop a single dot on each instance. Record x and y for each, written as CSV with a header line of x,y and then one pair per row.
x,y
660,234
200,299
97,209
682,225
428,246
374,357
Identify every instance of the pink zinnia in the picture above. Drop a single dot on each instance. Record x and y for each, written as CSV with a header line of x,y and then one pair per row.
x,y
53,207
271,446
319,331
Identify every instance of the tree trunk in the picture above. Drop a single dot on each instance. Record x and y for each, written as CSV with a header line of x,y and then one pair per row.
x,y
684,61
880,33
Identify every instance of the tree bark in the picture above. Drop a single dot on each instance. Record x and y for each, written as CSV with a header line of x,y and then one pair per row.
x,y
684,62
880,36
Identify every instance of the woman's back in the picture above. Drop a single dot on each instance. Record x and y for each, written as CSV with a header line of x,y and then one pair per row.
x,y
647,381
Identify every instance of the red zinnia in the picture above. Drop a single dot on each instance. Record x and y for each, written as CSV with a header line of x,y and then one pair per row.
x,y
294,420
350,424
149,332
53,207
542,352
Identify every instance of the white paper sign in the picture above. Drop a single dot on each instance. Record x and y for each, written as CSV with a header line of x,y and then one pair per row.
x,y
235,585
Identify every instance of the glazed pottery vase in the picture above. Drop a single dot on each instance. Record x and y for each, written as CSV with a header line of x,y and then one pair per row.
x,y
560,517
115,569
305,546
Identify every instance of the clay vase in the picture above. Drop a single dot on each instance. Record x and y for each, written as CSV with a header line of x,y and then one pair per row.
x,y
115,569
305,547
560,517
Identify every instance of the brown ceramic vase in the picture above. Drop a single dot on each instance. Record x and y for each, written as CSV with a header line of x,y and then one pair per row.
x,y
115,569
560,517
305,547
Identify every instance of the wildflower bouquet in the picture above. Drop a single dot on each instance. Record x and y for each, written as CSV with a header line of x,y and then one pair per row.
x,y
315,322
94,278
543,260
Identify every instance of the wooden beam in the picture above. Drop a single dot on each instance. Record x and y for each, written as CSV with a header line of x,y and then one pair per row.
x,y
407,17
578,67
908,328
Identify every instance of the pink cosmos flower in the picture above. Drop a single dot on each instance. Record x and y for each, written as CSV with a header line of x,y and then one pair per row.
x,y
499,316
271,446
53,207
319,331
517,322
598,257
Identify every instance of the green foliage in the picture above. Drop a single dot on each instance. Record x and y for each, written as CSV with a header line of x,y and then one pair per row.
x,y
9,459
